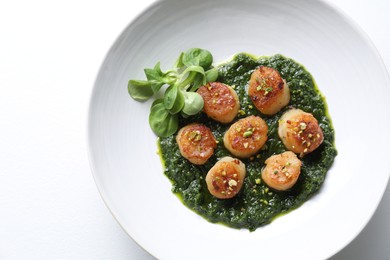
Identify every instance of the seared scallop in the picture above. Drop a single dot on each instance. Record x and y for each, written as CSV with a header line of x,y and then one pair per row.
x,y
268,91
281,171
300,131
224,180
245,137
220,101
196,143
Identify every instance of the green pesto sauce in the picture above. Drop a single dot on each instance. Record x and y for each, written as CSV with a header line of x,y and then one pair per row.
x,y
256,204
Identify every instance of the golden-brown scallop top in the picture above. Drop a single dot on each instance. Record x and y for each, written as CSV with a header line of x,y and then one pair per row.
x,y
300,132
196,143
281,171
268,91
245,137
225,179
220,101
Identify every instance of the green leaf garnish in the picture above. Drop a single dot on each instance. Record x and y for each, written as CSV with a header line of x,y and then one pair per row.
x,y
161,121
197,57
173,99
212,75
191,70
140,90
193,103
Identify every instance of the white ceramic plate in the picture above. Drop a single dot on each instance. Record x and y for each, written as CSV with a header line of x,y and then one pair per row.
x,y
349,73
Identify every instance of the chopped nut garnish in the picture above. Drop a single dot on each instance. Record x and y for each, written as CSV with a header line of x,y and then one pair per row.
x,y
232,183
247,134
241,112
267,90
195,136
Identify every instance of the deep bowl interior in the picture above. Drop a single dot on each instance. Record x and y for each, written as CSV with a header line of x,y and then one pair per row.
x,y
349,73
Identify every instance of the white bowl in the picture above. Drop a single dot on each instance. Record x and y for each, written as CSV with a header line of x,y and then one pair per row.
x,y
348,71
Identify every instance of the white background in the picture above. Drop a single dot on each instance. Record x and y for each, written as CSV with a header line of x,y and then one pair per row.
x,y
50,53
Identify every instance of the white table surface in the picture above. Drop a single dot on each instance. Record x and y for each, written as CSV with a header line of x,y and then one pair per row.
x,y
50,53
